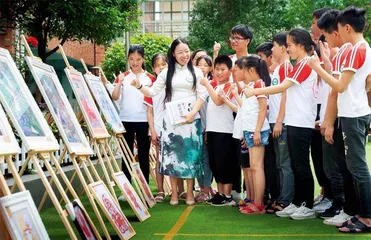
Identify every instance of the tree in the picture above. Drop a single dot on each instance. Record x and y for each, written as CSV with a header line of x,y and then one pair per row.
x,y
94,20
115,56
213,20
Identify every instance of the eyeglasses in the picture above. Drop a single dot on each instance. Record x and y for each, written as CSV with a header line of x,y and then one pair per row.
x,y
236,39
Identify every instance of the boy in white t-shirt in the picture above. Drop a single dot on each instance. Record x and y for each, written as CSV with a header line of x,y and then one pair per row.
x,y
353,110
219,129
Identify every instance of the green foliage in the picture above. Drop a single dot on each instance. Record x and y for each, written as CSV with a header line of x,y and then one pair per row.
x,y
213,20
94,20
115,56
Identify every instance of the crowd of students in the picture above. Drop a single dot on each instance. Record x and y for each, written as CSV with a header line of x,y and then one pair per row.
x,y
302,94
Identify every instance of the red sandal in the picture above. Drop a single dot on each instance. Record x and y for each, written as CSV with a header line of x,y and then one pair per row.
x,y
253,209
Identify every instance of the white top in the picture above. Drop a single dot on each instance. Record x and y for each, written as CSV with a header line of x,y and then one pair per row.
x,y
336,64
130,103
182,83
301,103
220,118
250,109
157,102
279,74
353,101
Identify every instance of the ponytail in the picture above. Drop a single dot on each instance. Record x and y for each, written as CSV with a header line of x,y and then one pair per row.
x,y
254,61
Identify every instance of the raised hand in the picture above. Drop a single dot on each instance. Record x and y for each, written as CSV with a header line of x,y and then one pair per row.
x,y
248,92
325,50
234,89
204,81
314,62
135,83
221,95
217,47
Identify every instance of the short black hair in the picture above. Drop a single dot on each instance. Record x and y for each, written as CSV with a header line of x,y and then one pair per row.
x,y
280,38
353,16
328,21
265,48
244,31
322,38
223,59
319,12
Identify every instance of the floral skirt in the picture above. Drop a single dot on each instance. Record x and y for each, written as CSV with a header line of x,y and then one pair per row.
x,y
181,149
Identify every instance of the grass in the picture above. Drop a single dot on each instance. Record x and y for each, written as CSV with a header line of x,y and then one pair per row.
x,y
207,222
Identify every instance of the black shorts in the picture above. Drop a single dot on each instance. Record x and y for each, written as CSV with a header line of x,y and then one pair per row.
x,y
222,156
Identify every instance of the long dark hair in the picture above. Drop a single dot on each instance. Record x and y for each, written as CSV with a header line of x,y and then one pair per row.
x,y
137,48
254,61
302,37
171,69
209,62
155,58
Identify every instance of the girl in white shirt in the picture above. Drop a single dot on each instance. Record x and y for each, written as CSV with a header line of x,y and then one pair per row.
x,y
253,71
133,112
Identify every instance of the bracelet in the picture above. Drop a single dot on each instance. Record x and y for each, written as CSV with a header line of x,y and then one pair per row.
x,y
141,85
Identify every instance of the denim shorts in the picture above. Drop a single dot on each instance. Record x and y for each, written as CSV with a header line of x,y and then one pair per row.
x,y
249,138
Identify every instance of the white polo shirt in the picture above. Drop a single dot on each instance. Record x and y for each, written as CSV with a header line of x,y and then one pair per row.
x,y
301,103
353,101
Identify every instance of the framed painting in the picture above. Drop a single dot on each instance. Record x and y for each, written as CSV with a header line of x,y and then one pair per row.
x,y
21,217
82,223
8,143
59,106
90,111
22,109
144,185
111,210
105,103
132,197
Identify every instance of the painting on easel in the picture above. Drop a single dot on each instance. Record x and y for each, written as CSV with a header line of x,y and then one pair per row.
x,y
82,223
59,106
22,108
144,185
112,210
8,143
21,217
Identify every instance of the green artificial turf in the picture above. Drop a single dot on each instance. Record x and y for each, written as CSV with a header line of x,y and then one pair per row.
x,y
206,222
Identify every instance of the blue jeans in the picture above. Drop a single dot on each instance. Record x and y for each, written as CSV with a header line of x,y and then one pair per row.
x,y
355,131
283,164
207,177
249,138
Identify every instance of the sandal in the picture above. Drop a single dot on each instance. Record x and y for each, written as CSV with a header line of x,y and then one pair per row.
x,y
252,209
270,207
242,203
182,196
348,222
202,197
279,207
357,227
160,197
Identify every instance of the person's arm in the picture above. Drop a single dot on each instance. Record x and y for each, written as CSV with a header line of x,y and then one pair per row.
x,y
212,93
117,89
368,83
155,89
269,90
217,48
189,117
277,130
150,118
261,118
222,97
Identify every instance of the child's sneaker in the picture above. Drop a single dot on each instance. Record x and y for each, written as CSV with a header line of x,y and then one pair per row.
x,y
338,219
287,211
322,206
216,198
317,199
329,213
303,213
236,196
202,197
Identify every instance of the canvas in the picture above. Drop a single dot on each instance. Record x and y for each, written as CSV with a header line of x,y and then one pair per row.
x,y
8,143
112,210
59,106
82,223
22,108
91,114
144,185
132,197
21,217
104,102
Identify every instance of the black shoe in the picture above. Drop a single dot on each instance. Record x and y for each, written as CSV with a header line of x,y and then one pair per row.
x,y
217,197
226,201
220,201
329,212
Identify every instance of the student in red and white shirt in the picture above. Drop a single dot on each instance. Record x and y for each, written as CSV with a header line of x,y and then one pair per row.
x,y
300,119
133,112
277,111
353,109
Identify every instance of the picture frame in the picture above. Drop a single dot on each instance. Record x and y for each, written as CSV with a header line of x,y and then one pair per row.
x,y
21,217
144,185
104,103
59,107
132,197
88,108
82,223
112,211
8,142
22,109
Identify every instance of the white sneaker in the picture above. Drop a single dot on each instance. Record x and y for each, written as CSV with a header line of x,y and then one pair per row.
x,y
317,200
122,198
303,213
322,206
338,219
287,211
236,196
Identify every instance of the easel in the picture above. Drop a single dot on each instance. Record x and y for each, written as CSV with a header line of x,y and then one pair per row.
x,y
132,165
166,182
